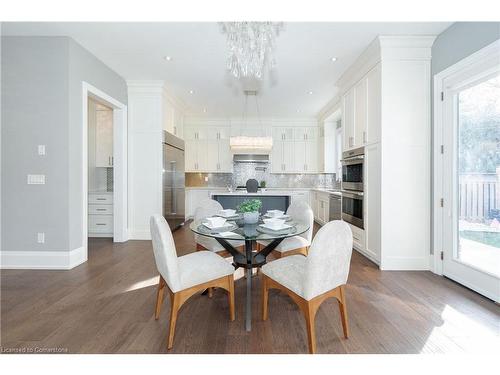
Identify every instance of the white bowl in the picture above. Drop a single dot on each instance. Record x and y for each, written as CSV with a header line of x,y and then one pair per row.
x,y
216,222
275,213
274,223
227,212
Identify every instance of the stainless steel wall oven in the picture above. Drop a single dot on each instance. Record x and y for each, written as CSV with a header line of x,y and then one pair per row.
x,y
353,169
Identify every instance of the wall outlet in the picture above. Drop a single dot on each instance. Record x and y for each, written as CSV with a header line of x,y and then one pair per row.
x,y
41,150
36,179
40,237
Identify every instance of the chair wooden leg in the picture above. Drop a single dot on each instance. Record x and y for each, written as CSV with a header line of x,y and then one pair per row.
x,y
159,297
230,296
175,305
310,315
210,292
343,311
265,298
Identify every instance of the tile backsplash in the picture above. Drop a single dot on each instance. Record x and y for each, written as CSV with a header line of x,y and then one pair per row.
x,y
243,171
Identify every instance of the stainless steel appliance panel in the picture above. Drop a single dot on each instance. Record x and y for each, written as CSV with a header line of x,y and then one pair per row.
x,y
335,207
353,170
352,208
173,181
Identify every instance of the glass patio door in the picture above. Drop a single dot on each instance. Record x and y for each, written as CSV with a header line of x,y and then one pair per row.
x,y
471,133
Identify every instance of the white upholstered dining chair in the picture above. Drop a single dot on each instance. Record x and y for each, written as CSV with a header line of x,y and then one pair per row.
x,y
311,280
186,275
300,212
207,208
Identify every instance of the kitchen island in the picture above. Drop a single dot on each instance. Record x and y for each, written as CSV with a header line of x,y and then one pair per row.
x,y
270,200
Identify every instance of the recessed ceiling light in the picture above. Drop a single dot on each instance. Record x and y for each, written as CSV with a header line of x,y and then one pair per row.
x,y
298,111
310,92
168,58
191,91
334,59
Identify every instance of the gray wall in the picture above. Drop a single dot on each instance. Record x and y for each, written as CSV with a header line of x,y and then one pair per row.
x,y
34,111
455,43
41,104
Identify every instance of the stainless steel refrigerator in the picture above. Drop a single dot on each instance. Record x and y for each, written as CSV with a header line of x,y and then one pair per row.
x,y
173,180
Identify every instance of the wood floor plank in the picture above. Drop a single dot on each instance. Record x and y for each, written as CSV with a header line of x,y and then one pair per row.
x,y
107,306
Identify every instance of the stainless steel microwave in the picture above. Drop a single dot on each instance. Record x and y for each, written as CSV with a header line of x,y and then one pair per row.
x,y
353,169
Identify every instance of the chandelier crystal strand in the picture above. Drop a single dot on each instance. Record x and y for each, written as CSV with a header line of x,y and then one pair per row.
x,y
251,45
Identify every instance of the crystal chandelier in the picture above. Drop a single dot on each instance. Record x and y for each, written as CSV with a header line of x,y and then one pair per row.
x,y
250,45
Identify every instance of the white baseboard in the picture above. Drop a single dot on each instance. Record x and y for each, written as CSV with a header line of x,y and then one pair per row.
x,y
405,264
139,234
366,255
43,260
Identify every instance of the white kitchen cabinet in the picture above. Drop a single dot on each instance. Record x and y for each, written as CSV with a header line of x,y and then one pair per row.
x,y
277,157
208,150
208,156
191,156
348,119
360,115
104,138
372,209
374,105
288,160
100,214
320,203
305,133
225,162
301,196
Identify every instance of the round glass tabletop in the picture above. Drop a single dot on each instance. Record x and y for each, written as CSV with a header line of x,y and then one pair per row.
x,y
238,230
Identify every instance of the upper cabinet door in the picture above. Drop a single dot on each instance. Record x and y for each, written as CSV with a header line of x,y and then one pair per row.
x,y
104,138
191,156
289,156
360,101
190,133
348,119
225,157
300,157
277,156
373,111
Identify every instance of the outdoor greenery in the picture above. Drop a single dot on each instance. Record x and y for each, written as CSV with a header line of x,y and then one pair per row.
x,y
250,205
263,184
479,127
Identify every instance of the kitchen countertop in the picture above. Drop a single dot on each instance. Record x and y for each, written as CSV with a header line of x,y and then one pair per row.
x,y
328,191
258,194
267,189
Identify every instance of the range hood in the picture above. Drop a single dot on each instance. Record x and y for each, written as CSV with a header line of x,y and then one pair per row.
x,y
251,158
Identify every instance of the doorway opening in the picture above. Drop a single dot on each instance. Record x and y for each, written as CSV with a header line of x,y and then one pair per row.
x,y
104,161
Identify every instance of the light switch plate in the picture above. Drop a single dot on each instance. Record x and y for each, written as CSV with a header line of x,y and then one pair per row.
x,y
40,237
41,150
36,179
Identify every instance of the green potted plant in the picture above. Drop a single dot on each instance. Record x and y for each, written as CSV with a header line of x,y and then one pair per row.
x,y
263,186
250,209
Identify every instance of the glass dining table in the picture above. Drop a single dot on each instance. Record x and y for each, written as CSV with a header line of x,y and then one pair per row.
x,y
249,234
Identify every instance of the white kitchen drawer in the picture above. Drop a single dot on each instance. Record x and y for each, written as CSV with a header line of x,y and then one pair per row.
x,y
100,224
100,209
358,237
96,198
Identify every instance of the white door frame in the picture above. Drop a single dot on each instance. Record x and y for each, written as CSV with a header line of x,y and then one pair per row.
x,y
120,219
492,51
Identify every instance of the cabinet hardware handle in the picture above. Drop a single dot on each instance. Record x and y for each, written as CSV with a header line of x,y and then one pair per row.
x,y
100,209
100,224
112,160
100,199
175,129
364,137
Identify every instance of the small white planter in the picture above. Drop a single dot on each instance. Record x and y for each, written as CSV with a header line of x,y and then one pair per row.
x,y
251,217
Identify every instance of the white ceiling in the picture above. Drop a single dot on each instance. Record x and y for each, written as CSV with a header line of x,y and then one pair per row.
x,y
198,51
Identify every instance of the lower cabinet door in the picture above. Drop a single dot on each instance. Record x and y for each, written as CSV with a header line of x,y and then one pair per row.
x,y
100,224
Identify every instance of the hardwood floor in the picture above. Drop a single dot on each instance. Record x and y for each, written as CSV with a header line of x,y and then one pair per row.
x,y
107,306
